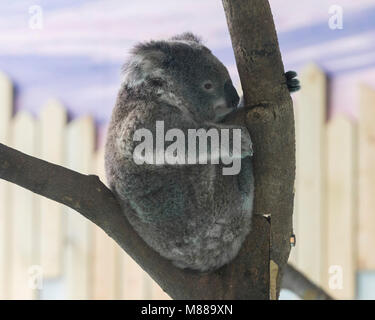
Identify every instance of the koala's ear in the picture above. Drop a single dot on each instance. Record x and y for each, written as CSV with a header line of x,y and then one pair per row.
x,y
190,39
156,52
147,61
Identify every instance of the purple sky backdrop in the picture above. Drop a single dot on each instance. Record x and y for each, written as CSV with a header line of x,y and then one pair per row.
x,y
77,55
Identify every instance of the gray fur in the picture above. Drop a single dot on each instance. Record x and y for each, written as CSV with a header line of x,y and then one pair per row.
x,y
191,214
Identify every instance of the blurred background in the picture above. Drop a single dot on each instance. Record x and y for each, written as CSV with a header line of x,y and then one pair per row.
x,y
60,70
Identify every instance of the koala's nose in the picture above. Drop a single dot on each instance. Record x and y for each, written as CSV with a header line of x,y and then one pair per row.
x,y
231,95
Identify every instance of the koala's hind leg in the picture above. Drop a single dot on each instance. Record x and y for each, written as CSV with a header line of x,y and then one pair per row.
x,y
161,204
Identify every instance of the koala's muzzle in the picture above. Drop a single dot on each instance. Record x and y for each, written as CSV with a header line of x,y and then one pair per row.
x,y
231,95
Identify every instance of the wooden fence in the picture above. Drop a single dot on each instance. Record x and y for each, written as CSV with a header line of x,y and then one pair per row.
x,y
334,218
41,237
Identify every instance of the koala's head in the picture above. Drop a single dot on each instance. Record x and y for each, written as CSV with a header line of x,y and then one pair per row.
x,y
184,67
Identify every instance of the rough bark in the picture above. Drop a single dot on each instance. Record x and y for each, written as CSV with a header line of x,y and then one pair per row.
x,y
269,117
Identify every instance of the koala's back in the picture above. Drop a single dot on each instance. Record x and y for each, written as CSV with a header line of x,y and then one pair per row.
x,y
190,214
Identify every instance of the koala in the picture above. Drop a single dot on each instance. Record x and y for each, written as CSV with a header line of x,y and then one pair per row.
x,y
190,213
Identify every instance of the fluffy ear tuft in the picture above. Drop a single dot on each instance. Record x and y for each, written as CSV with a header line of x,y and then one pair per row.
x,y
151,59
157,48
144,64
187,36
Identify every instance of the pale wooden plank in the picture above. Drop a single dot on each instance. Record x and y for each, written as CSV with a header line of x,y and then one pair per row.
x,y
6,106
311,115
366,226
104,266
341,206
157,293
105,251
293,257
134,284
24,216
53,119
80,139
152,290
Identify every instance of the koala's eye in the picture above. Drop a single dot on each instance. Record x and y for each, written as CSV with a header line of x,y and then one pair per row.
x,y
208,85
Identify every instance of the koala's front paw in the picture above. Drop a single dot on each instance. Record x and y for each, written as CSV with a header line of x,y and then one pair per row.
x,y
246,144
292,83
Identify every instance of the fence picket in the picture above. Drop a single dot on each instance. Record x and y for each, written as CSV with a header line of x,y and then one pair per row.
x,y
158,293
52,121
6,105
134,284
310,228
293,257
79,250
105,251
366,232
24,253
341,205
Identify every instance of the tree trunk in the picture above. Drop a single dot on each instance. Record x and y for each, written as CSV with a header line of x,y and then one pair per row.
x,y
269,117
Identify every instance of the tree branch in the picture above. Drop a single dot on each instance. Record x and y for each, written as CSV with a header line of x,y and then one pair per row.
x,y
90,197
297,282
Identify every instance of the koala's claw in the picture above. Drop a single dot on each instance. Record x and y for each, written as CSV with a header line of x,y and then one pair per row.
x,y
290,75
292,83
